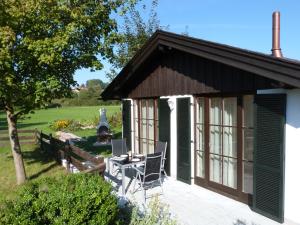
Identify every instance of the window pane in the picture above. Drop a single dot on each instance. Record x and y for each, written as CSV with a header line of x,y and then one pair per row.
x,y
248,177
151,129
215,168
248,144
248,110
144,129
230,172
150,109
200,137
151,147
144,146
200,164
215,111
229,113
215,139
144,109
200,111
229,141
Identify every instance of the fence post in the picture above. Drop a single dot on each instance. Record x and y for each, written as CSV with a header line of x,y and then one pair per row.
x,y
68,155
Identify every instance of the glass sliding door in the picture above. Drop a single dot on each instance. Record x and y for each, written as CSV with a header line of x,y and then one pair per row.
x,y
199,149
223,141
248,143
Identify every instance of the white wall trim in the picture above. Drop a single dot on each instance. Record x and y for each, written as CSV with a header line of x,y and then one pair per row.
x,y
173,134
292,157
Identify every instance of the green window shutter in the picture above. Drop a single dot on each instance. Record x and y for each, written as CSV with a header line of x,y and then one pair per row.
x,y
126,115
183,140
164,128
268,180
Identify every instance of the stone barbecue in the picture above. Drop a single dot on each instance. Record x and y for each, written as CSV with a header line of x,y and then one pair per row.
x,y
104,134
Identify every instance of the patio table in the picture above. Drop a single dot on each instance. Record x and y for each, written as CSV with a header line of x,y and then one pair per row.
x,y
123,165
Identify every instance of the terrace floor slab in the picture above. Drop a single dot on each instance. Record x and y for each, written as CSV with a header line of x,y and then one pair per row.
x,y
193,205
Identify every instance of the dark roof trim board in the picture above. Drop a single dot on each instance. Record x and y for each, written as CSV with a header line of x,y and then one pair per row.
x,y
281,69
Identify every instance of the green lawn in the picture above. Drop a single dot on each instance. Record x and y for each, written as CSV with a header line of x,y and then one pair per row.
x,y
41,120
43,117
37,164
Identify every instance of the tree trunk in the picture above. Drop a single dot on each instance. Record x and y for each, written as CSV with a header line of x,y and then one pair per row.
x,y
15,147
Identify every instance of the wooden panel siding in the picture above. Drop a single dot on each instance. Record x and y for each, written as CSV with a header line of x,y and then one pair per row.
x,y
178,73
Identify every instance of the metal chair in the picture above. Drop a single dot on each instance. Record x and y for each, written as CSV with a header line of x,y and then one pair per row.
x,y
118,147
150,173
162,147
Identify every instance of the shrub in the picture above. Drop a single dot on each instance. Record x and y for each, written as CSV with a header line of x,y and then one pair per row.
x,y
73,199
59,125
115,120
157,213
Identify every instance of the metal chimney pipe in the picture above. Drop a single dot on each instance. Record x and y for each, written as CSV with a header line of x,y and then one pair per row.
x,y
276,50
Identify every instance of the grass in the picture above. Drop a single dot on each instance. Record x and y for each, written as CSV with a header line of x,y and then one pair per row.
x,y
42,118
39,165
36,165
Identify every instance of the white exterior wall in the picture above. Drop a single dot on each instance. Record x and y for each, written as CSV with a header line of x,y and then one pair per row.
x,y
292,155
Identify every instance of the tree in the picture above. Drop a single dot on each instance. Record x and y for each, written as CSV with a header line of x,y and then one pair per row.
x,y
42,44
134,33
95,82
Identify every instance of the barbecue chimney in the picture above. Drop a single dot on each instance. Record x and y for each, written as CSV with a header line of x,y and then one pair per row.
x,y
276,50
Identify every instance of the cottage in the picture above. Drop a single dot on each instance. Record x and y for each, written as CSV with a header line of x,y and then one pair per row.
x,y
231,117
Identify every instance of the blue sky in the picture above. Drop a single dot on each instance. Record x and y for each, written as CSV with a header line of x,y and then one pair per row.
x,y
244,24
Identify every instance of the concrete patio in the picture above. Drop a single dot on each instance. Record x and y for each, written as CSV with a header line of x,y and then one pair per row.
x,y
193,205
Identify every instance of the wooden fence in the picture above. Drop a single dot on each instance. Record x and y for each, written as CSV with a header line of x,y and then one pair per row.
x,y
82,160
25,137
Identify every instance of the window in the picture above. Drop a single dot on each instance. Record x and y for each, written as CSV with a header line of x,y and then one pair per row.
x,y
248,138
223,141
146,125
200,150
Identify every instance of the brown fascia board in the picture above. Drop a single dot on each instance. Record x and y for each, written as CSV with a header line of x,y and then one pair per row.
x,y
280,69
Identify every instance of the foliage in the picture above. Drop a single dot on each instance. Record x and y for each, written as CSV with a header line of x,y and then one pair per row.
x,y
42,43
85,95
71,125
60,124
115,120
134,34
72,199
38,165
156,214
95,82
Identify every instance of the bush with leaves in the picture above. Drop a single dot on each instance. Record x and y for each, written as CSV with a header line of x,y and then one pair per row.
x,y
72,199
156,213
115,120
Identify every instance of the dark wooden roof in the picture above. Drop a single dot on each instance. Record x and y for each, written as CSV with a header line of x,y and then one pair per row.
x,y
283,70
